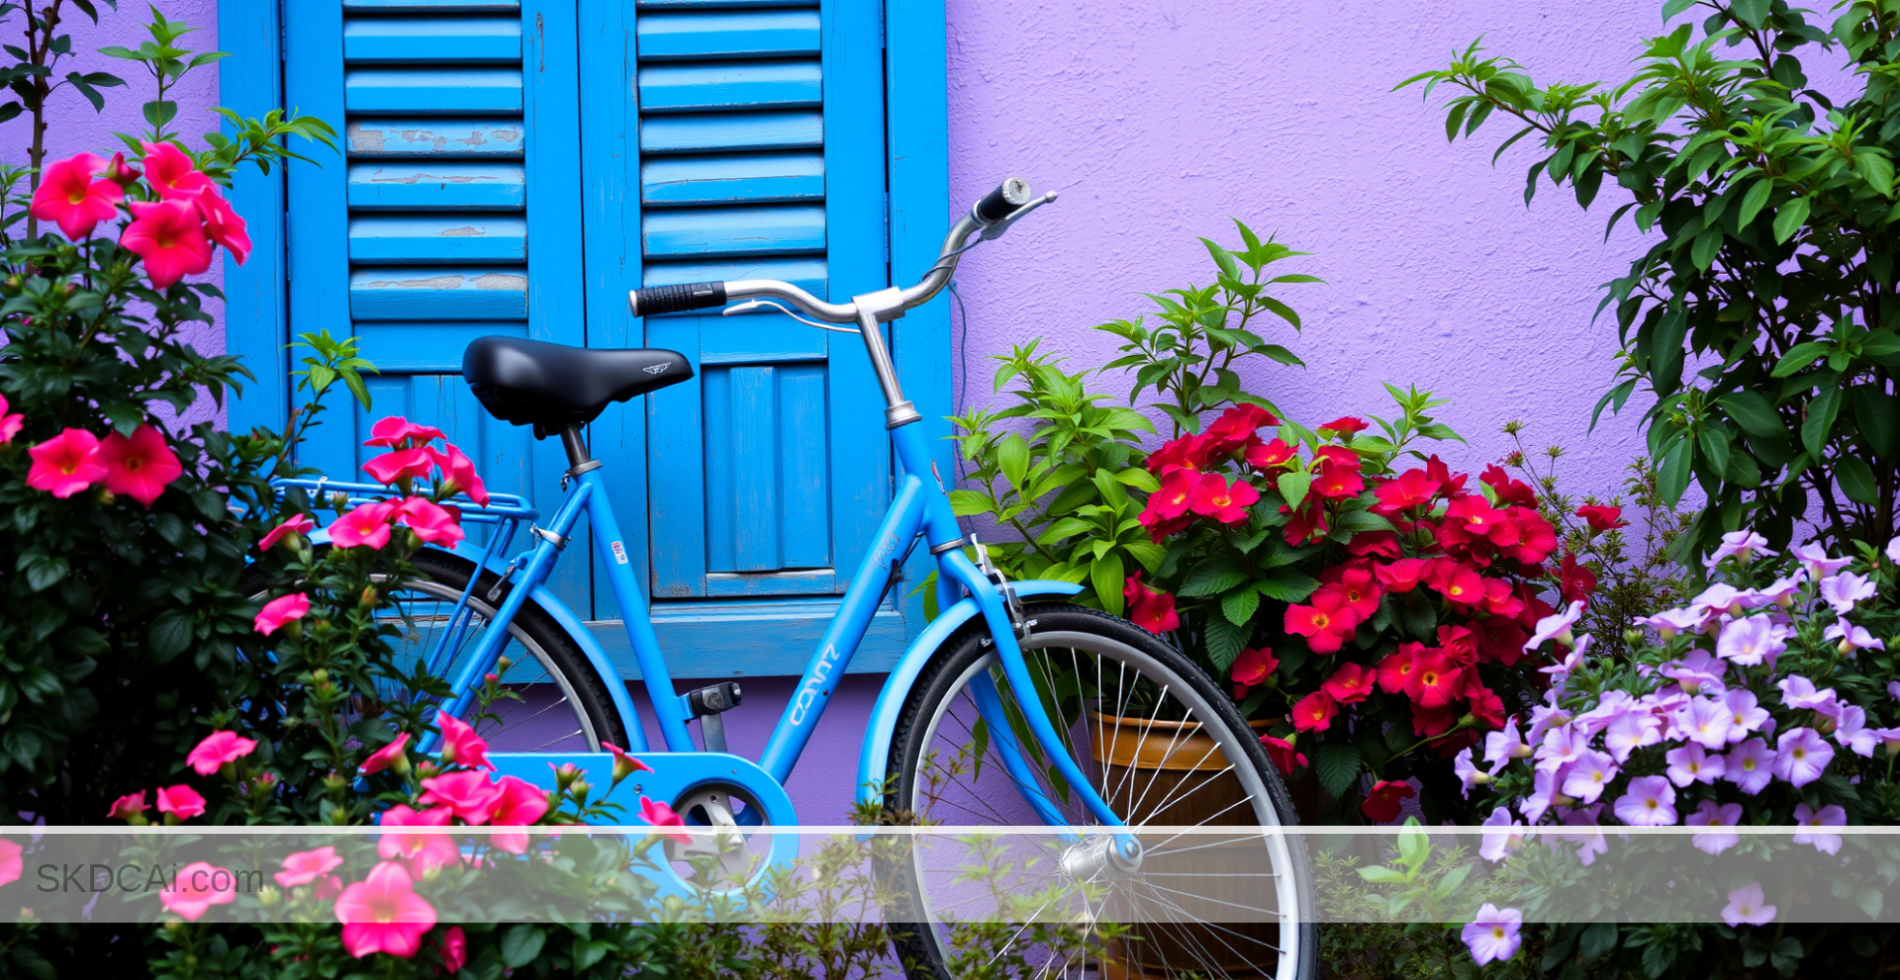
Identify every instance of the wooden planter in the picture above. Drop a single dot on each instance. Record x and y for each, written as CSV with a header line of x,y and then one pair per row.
x,y
1188,788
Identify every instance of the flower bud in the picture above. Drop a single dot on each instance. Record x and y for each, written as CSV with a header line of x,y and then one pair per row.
x,y
368,601
580,789
503,663
565,774
1560,799
1522,751
106,497
1846,648
1633,637
491,678
268,896
334,782
427,770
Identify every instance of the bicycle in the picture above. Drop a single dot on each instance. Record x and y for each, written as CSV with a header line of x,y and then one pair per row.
x,y
950,706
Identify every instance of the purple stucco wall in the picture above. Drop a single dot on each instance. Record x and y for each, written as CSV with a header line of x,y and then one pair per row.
x,y
1158,119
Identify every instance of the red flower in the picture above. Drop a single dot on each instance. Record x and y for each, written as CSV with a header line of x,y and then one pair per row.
x,y
1169,504
1380,544
1435,680
1502,639
1308,523
1395,671
1340,455
459,474
1337,482
1235,427
1435,469
1487,707
222,223
394,431
1325,623
1225,502
1357,586
66,464
1315,712
1456,582
1402,575
1432,722
1536,539
1508,490
170,237
1500,599
1576,581
1251,669
1283,755
68,195
1344,426
1185,453
1458,643
432,523
1602,518
1350,684
171,173
400,464
140,467
1274,453
1474,515
1382,804
1409,490
1147,608
366,526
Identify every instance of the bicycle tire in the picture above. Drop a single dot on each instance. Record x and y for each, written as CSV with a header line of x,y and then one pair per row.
x,y
913,938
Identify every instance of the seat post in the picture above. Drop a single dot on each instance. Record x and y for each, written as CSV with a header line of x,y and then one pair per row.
x,y
576,446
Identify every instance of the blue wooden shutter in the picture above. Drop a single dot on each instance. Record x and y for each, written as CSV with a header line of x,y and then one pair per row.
x,y
758,136
454,215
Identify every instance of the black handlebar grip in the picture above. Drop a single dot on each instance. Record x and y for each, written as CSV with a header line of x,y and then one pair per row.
x,y
655,300
1003,201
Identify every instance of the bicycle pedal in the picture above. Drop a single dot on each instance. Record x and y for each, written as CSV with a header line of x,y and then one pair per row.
x,y
707,704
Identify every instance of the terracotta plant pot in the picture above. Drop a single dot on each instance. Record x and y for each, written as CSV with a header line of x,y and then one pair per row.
x,y
1183,785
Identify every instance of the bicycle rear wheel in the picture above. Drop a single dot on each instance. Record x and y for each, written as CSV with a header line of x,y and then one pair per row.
x,y
1166,748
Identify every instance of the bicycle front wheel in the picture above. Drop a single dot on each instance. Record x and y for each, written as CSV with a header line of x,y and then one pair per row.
x,y
1157,740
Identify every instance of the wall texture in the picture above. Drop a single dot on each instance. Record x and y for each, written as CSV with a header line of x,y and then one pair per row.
x,y
1157,120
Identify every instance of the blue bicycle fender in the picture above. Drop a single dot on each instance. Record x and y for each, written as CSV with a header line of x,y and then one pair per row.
x,y
569,624
890,701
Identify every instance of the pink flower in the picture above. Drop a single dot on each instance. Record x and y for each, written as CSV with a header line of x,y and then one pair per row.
x,y
460,473
433,524
624,764
281,610
304,867
1801,755
1827,816
1692,764
460,744
367,526
454,949
296,525
180,801
10,864
128,806
1745,905
140,467
467,793
1750,765
1650,802
388,755
1493,935
9,424
383,914
1751,640
1844,590
196,887
429,849
66,464
171,173
393,431
1589,775
69,196
219,748
661,815
400,464
1705,721
222,222
1742,545
520,805
170,237
1707,814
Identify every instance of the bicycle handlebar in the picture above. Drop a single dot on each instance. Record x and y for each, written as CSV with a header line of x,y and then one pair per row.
x,y
992,216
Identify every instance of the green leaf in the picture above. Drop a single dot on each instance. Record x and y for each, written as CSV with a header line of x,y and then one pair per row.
x,y
1596,941
1857,480
1338,767
1877,169
967,502
1870,901
1752,13
1672,477
1754,414
1714,446
1820,422
171,634
1012,456
1239,605
1287,585
1105,574
1790,218
1213,577
1224,643
1380,875
1293,487
521,944
1674,7
1752,201
1800,356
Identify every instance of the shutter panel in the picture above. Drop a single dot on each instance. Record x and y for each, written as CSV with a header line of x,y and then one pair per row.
x,y
760,155
454,215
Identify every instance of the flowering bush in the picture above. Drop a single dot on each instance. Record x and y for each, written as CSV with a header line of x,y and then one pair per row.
x,y
1767,700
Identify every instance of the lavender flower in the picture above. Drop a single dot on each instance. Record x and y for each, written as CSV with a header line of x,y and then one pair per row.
x,y
1707,814
1893,551
1745,905
1704,721
1827,816
1801,755
1798,692
1852,637
1467,773
1493,935
1497,846
1587,777
1744,715
1555,627
1560,747
1696,670
1650,802
1893,690
1590,845
1692,764
1720,599
1631,731
1751,766
1819,565
1852,732
1843,590
1742,545
1751,640
1782,592
1500,747
1543,787
1672,621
